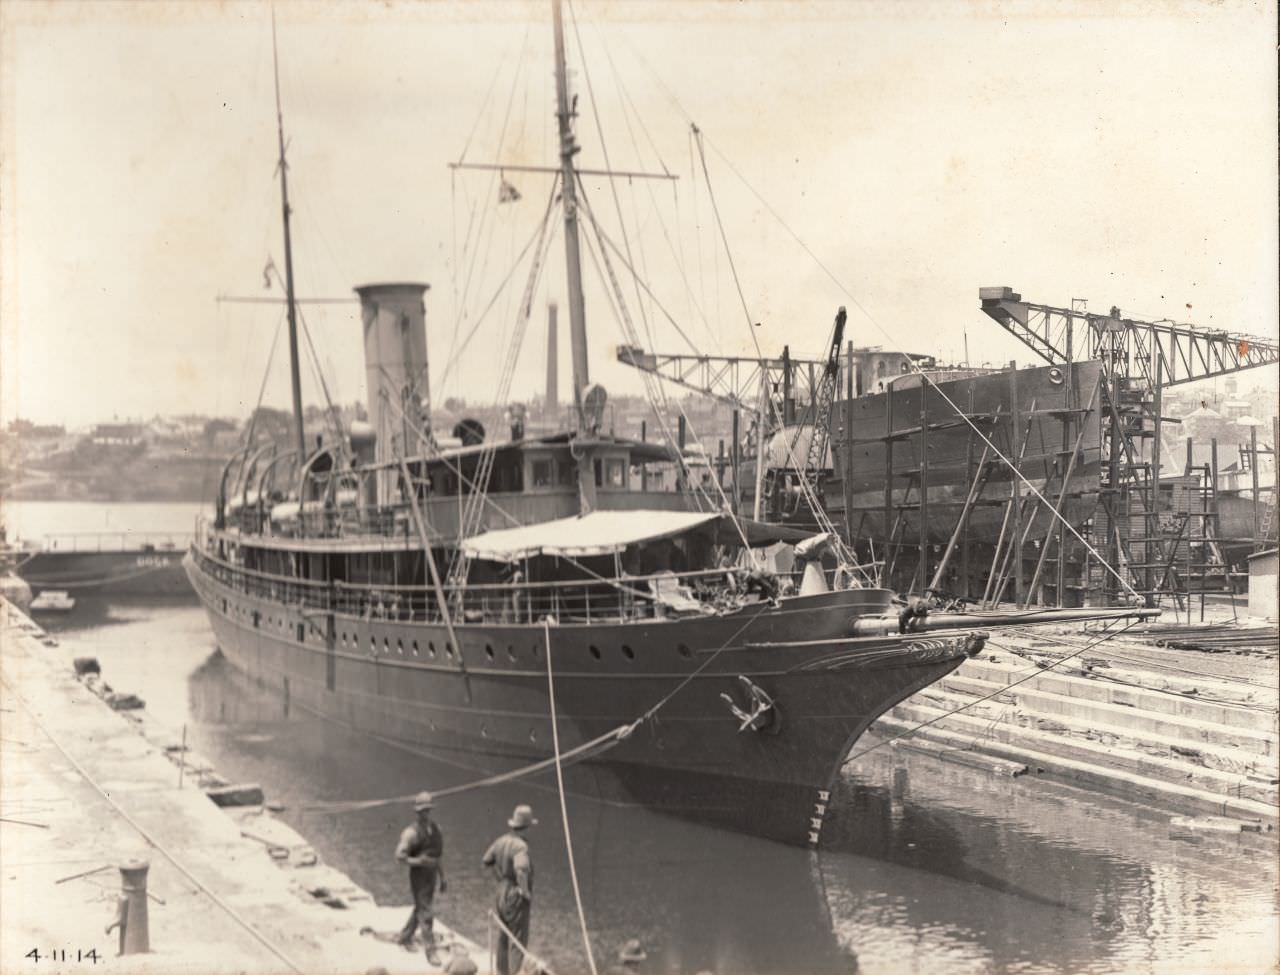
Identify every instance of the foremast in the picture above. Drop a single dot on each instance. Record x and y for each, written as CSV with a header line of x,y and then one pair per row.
x,y
290,300
573,260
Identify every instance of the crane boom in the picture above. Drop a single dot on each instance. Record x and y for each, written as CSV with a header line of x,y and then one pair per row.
x,y
1186,352
730,379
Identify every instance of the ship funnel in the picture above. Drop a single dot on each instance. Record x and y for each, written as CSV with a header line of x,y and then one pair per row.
x,y
395,364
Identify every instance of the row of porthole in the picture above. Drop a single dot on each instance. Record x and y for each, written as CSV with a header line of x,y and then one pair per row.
x,y
353,641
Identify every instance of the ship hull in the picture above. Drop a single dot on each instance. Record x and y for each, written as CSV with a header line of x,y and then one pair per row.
x,y
153,572
393,679
1035,416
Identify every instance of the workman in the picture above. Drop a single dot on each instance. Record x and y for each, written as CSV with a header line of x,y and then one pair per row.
x,y
421,848
508,858
912,614
629,958
460,961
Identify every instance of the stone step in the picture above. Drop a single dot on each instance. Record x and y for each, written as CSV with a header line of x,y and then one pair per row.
x,y
1128,785
1122,718
982,732
1260,719
1220,757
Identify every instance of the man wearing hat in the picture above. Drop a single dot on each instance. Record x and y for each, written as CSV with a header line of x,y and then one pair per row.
x,y
460,962
420,848
629,958
508,858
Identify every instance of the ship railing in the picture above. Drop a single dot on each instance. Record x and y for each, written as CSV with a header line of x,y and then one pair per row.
x,y
114,542
653,596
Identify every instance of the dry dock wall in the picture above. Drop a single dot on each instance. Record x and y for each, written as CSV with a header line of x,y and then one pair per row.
x,y
1182,731
84,786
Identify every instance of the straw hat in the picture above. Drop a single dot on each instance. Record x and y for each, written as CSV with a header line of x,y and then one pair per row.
x,y
522,818
423,800
632,951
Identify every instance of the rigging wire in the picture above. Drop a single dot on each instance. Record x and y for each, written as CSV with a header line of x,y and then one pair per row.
x,y
604,148
456,355
1002,689
883,331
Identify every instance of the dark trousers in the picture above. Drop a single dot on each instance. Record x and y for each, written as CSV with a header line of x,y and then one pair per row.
x,y
423,887
514,911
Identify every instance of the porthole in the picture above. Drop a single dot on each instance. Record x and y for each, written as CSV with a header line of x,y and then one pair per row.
x,y
684,651
431,648
533,735
1056,376
386,646
415,648
373,643
594,651
488,650
400,647
511,652
536,648
484,732
628,652
448,650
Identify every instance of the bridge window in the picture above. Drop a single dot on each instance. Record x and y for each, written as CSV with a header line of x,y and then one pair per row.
x,y
543,473
616,472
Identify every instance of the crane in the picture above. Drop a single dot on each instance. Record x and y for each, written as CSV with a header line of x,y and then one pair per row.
x,y
733,380
1128,347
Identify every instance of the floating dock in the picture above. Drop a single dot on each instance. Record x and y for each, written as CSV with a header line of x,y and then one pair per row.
x,y
85,788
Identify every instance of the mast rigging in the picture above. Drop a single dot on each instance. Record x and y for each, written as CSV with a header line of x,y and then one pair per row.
x,y
290,300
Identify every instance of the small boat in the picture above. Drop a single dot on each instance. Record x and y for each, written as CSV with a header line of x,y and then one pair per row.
x,y
53,601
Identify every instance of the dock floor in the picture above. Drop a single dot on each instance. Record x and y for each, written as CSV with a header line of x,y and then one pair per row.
x,y
82,788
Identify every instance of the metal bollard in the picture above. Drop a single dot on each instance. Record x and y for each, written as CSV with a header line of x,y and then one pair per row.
x,y
131,908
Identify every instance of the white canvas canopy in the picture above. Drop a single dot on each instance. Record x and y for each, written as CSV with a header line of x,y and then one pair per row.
x,y
597,533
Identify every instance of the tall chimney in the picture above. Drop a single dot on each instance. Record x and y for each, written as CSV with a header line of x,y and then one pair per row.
x,y
553,361
397,389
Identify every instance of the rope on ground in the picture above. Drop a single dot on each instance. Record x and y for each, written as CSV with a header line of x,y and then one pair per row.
x,y
1036,672
564,809
146,834
542,966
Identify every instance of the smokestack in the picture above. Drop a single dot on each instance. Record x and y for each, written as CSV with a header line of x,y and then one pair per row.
x,y
553,360
395,362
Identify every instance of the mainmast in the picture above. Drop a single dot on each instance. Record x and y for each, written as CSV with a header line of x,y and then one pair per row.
x,y
569,194
290,301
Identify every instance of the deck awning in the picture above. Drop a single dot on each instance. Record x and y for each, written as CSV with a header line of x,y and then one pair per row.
x,y
597,533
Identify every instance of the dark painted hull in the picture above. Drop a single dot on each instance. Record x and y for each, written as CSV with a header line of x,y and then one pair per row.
x,y
156,572
954,450
392,679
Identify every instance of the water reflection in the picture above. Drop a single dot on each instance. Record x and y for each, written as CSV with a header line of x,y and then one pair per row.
x,y
929,866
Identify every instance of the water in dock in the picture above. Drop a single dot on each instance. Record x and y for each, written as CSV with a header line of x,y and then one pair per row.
x,y
930,866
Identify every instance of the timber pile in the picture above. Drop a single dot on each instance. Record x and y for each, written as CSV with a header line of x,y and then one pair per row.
x,y
1126,717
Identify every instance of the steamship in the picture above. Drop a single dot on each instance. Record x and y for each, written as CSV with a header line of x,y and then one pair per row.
x,y
443,595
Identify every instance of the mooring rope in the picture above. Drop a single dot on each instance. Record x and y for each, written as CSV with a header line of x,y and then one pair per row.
x,y
153,841
542,966
1036,672
564,809
598,745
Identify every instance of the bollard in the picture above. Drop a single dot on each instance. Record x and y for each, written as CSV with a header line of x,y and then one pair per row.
x,y
131,908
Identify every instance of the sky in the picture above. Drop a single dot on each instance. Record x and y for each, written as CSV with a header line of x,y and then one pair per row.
x,y
890,157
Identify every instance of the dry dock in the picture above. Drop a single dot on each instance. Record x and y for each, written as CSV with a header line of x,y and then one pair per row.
x,y
1185,730
83,787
